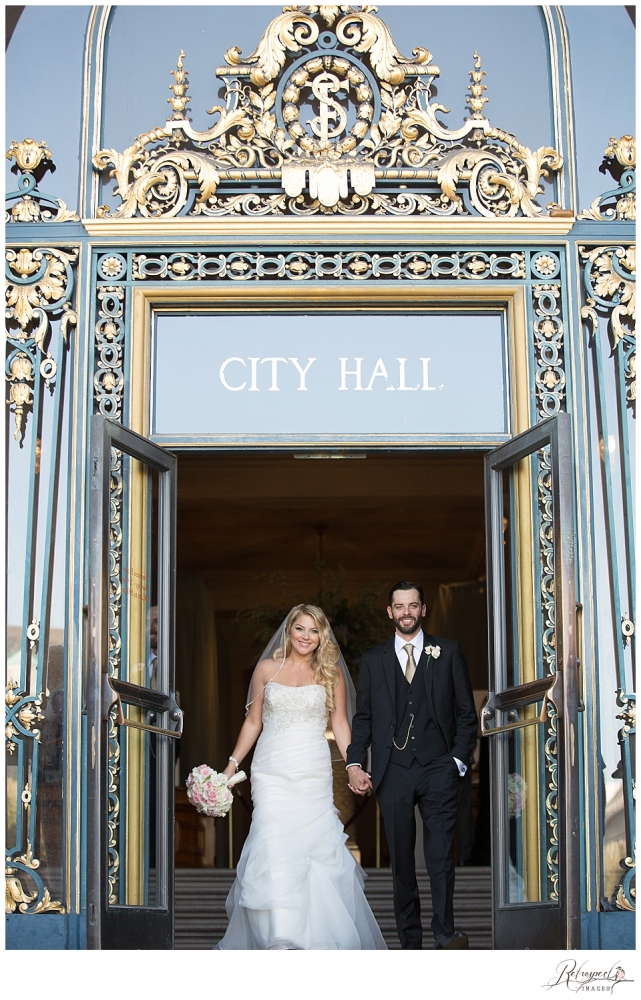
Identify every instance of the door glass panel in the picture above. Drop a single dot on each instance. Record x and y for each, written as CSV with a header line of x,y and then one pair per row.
x,y
527,878
530,715
135,755
526,755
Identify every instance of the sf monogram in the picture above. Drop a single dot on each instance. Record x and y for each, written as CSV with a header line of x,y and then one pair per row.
x,y
322,86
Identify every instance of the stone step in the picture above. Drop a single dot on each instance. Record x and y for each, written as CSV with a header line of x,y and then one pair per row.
x,y
201,919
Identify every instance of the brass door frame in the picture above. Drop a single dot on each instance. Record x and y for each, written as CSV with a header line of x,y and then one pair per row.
x,y
543,924
127,927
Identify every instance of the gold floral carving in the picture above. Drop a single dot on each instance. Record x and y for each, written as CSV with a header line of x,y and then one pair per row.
x,y
28,154
629,865
32,205
261,158
476,102
180,99
26,302
22,710
620,159
43,285
613,279
286,33
17,898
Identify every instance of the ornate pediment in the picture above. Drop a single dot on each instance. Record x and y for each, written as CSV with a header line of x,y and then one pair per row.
x,y
326,115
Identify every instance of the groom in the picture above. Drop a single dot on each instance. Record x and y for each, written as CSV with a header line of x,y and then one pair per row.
x,y
415,710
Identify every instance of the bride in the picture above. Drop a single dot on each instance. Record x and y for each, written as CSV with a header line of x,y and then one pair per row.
x,y
297,886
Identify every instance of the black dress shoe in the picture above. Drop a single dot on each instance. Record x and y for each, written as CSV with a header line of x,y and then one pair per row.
x,y
457,940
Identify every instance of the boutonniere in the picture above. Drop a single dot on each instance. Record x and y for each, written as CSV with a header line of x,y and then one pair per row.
x,y
433,651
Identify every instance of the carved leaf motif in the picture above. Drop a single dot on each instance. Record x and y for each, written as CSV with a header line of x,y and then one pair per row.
x,y
624,149
26,300
367,33
286,33
64,214
608,283
238,117
389,124
450,172
208,178
328,13
48,905
538,164
21,368
123,163
387,98
15,895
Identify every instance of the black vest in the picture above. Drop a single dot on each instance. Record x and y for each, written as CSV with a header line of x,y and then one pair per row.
x,y
425,740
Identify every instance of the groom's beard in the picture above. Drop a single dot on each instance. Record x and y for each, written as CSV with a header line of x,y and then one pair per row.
x,y
407,629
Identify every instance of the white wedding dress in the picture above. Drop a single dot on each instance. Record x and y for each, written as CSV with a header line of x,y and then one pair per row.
x,y
297,886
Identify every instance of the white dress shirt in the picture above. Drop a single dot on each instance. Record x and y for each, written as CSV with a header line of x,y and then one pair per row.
x,y
401,654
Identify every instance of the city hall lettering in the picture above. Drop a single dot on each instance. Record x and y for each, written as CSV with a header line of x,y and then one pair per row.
x,y
352,374
330,374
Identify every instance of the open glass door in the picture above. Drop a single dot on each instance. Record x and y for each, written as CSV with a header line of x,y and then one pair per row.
x,y
133,720
531,713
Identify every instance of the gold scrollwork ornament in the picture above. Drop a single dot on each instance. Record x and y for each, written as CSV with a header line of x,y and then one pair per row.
x,y
33,205
27,714
16,896
254,140
619,204
25,301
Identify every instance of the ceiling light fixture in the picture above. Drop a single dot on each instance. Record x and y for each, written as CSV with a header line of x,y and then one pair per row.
x,y
330,454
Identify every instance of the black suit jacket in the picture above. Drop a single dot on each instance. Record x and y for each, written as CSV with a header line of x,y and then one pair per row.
x,y
449,699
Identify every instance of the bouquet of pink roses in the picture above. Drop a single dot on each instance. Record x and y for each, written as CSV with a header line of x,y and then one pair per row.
x,y
210,792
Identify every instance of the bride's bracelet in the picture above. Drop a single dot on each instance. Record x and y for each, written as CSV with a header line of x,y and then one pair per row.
x,y
234,761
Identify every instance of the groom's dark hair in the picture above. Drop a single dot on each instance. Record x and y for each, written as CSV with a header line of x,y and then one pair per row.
x,y
405,585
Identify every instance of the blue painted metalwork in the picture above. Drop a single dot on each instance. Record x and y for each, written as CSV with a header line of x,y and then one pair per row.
x,y
476,257
609,287
40,290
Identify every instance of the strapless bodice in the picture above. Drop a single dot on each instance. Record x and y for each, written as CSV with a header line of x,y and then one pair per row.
x,y
284,705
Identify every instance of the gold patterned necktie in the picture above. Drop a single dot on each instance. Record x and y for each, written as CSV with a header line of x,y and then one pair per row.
x,y
410,669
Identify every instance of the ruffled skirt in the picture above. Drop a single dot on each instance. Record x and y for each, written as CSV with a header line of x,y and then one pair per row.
x,y
297,886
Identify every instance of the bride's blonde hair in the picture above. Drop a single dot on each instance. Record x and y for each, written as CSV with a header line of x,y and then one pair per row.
x,y
325,660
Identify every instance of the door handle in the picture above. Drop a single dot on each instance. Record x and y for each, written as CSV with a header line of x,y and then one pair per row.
x,y
122,721
112,697
552,695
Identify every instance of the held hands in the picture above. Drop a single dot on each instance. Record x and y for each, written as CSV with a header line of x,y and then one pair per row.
x,y
358,780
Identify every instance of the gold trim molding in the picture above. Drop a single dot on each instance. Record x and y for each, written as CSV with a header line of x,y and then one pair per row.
x,y
362,227
322,296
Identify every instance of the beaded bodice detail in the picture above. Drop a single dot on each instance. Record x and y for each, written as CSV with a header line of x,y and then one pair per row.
x,y
284,705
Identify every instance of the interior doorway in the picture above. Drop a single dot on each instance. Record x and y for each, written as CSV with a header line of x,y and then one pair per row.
x,y
260,532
